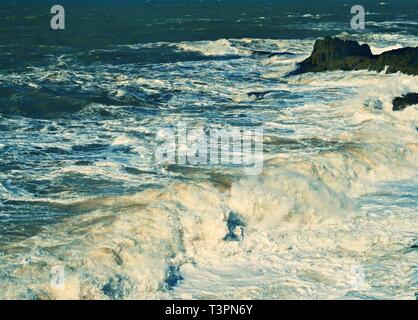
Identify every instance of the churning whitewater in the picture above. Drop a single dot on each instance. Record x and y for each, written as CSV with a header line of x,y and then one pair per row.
x,y
333,214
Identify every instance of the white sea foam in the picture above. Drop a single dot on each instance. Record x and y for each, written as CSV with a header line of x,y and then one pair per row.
x,y
379,50
333,218
213,48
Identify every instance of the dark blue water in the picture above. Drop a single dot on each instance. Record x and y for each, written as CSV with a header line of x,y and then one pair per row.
x,y
28,39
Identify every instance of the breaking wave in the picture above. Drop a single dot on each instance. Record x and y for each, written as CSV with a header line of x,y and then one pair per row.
x,y
332,213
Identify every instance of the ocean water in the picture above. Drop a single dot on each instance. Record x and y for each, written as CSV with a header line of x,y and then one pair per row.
x,y
333,215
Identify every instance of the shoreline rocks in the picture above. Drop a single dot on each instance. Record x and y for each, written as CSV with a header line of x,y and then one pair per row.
x,y
331,54
400,103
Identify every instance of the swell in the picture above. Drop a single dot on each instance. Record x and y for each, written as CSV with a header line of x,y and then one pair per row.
x,y
155,243
137,246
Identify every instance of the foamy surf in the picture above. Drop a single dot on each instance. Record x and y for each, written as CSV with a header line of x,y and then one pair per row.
x,y
332,216
173,243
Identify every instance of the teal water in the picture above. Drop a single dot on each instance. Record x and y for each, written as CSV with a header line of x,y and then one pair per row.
x,y
332,216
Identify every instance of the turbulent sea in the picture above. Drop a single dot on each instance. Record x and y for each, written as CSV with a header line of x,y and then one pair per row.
x,y
333,215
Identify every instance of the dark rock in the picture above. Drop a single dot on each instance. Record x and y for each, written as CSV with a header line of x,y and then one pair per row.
x,y
258,95
414,245
336,54
270,54
235,226
400,103
403,60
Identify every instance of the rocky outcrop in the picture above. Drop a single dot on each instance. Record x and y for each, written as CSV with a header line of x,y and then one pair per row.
x,y
400,103
331,54
336,54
